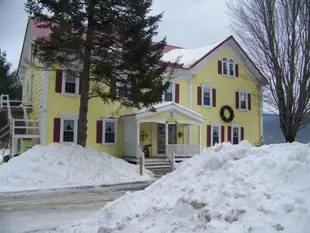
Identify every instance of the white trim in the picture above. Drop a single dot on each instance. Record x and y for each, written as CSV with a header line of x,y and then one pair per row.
x,y
75,129
63,85
202,96
190,91
115,121
172,106
161,121
220,133
43,120
246,100
261,117
232,131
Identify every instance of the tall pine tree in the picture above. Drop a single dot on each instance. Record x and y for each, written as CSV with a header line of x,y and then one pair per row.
x,y
109,44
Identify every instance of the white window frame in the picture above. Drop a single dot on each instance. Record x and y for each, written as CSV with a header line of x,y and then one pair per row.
x,y
202,96
172,83
232,133
228,62
225,60
220,132
63,84
104,121
75,129
231,61
246,100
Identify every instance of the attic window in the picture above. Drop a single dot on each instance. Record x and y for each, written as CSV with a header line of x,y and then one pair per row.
x,y
231,67
224,66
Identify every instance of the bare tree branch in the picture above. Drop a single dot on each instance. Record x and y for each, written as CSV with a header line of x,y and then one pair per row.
x,y
276,34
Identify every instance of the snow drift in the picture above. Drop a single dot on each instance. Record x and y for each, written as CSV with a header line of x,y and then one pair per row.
x,y
227,189
56,166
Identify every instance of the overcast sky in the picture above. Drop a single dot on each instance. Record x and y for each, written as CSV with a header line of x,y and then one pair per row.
x,y
186,23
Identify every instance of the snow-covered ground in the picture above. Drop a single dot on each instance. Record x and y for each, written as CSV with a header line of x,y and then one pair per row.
x,y
227,189
57,166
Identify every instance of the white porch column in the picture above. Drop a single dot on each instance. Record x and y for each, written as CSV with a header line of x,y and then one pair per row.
x,y
166,133
199,137
138,132
189,134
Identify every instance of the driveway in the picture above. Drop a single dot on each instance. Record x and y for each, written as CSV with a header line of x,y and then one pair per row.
x,y
41,210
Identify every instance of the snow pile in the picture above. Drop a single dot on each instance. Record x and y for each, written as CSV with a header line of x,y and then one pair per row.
x,y
188,57
56,166
227,189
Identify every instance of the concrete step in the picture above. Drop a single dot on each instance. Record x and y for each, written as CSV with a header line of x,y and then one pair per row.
x,y
159,172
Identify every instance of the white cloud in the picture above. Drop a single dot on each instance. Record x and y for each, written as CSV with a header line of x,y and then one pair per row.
x,y
193,23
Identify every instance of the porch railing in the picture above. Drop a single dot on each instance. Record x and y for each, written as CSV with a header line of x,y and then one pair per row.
x,y
185,149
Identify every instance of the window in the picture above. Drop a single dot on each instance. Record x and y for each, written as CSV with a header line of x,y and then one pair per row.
x,y
69,129
243,100
169,94
216,133
70,83
124,88
228,67
207,96
236,135
231,67
33,51
109,131
224,66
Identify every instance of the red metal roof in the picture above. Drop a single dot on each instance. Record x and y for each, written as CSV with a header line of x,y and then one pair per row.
x,y
44,32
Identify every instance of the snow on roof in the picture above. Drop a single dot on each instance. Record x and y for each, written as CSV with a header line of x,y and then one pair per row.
x,y
188,57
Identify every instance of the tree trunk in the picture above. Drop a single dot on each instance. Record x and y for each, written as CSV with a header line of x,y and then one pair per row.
x,y
82,123
288,131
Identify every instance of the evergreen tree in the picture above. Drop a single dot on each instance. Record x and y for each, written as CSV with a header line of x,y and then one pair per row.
x,y
9,83
109,43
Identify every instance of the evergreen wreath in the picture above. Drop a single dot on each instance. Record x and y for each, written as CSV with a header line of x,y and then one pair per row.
x,y
231,113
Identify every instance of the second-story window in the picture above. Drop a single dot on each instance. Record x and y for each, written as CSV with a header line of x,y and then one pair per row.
x,y
206,96
243,100
70,84
169,94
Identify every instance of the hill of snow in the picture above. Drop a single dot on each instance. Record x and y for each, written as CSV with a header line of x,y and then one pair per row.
x,y
56,166
227,189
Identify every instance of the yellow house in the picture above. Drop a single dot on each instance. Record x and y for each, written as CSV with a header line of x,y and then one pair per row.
x,y
215,97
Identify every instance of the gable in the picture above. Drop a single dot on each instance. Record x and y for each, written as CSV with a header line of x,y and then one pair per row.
x,y
26,50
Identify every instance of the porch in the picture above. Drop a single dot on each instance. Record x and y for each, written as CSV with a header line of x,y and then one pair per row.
x,y
162,135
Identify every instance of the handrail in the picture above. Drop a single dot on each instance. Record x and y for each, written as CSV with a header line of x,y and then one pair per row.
x,y
4,128
170,155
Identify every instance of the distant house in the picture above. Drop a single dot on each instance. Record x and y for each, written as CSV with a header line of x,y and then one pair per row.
x,y
215,98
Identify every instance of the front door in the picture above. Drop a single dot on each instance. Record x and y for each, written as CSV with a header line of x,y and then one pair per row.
x,y
161,137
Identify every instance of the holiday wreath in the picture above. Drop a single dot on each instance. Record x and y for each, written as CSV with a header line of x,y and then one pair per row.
x,y
231,113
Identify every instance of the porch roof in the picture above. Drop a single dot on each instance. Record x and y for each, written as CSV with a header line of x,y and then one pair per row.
x,y
166,107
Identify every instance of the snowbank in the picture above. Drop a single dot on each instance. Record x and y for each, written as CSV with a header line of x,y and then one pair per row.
x,y
227,189
56,166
